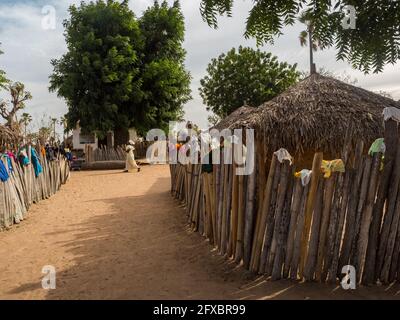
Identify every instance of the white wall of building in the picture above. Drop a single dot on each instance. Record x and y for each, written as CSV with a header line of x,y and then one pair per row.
x,y
79,140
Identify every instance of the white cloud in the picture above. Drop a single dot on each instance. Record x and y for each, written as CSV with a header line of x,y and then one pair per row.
x,y
29,49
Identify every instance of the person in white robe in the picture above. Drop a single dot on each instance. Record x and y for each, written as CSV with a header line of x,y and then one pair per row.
x,y
131,165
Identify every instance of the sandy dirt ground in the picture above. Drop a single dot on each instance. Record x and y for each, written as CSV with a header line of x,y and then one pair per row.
x,y
114,235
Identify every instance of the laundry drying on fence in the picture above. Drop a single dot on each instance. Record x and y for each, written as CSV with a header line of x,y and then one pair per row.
x,y
306,224
29,180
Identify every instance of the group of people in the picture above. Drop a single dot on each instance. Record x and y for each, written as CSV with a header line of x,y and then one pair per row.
x,y
52,152
188,140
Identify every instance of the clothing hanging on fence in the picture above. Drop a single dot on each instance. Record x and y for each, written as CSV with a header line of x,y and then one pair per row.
x,y
377,146
332,166
43,151
391,113
282,154
9,163
11,155
35,161
304,175
23,157
3,172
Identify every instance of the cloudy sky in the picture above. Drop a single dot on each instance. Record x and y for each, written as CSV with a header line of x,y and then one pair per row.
x,y
29,49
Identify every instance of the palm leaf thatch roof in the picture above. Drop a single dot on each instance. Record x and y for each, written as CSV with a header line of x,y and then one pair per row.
x,y
7,135
316,114
234,118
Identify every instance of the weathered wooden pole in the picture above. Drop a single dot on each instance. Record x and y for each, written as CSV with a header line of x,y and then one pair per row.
x,y
263,216
373,262
316,173
367,214
294,212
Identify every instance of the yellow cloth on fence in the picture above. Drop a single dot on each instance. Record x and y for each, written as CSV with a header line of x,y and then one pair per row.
x,y
328,167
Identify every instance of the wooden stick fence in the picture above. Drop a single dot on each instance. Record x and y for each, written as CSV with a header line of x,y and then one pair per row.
x,y
23,188
112,154
282,228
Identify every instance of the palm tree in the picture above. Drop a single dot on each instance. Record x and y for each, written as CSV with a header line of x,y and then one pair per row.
x,y
307,37
54,121
63,122
26,118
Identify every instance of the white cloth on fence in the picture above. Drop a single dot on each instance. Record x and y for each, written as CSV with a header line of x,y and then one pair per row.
x,y
305,176
391,113
282,154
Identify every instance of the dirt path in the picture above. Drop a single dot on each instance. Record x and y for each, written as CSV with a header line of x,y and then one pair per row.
x,y
113,235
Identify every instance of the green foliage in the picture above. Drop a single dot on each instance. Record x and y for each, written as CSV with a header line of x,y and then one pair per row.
x,y
305,35
374,43
100,72
9,109
119,71
213,119
3,79
246,76
165,82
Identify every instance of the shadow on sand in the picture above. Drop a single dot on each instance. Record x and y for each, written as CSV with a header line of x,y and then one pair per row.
x,y
143,249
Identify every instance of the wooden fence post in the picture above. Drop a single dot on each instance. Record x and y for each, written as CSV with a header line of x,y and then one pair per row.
x,y
367,214
315,177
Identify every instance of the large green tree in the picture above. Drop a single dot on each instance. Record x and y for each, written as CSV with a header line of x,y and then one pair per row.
x,y
99,75
121,71
244,76
165,82
374,42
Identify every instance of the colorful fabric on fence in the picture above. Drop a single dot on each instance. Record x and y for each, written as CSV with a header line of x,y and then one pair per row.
x,y
304,175
43,151
11,155
9,163
282,154
3,172
377,146
35,161
332,166
391,113
23,157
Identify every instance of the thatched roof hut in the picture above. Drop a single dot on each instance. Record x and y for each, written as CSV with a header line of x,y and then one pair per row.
x,y
315,115
234,118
